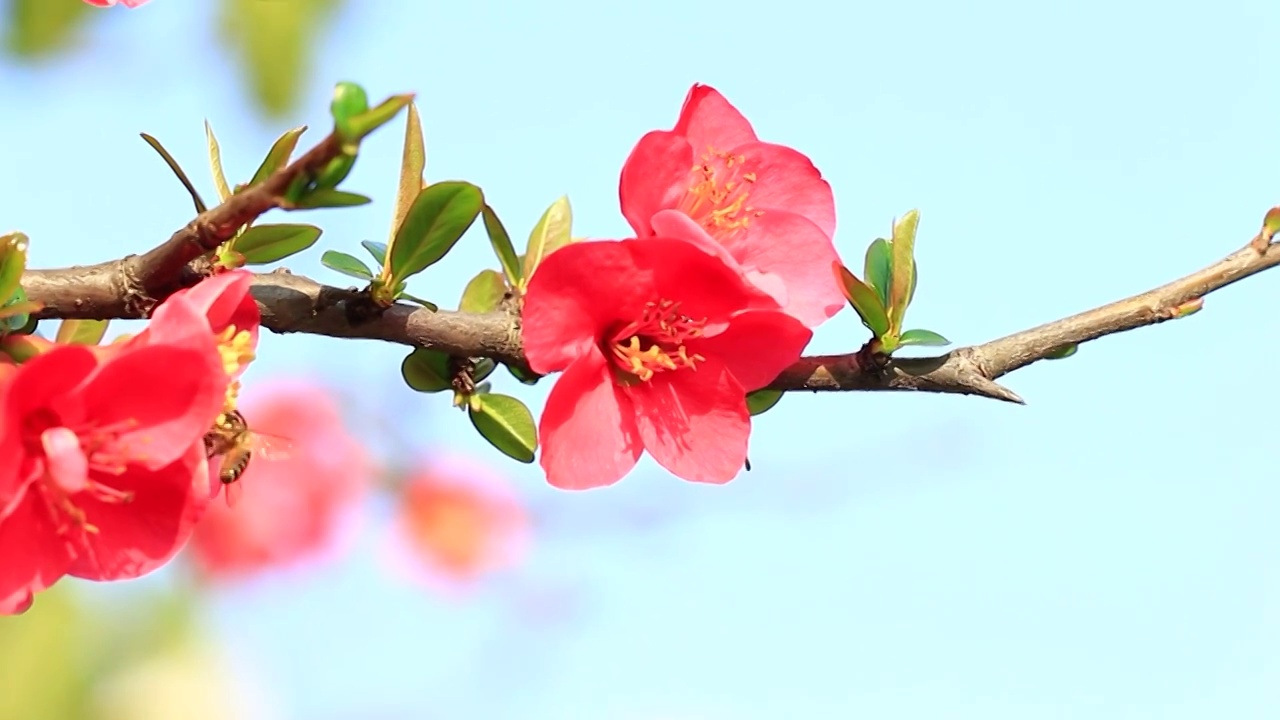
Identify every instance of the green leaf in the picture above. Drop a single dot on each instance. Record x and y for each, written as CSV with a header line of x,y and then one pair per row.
x,y
903,247
177,170
502,247
1271,223
335,171
427,371
525,377
346,264
922,337
215,163
274,40
865,301
39,28
360,126
328,197
424,303
438,218
262,244
377,250
279,154
349,100
506,423
878,269
550,234
81,332
483,368
15,314
412,163
13,262
915,276
1064,351
484,293
762,400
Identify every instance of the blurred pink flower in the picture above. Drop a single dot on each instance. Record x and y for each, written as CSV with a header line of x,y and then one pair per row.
x,y
291,508
109,3
456,522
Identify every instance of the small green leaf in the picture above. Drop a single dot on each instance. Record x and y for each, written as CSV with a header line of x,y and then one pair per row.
x,y
502,247
349,100
346,264
262,244
483,368
506,423
279,154
335,171
215,164
762,400
177,170
377,250
1271,223
424,303
878,269
1065,351
39,28
438,218
483,293
360,126
412,163
864,300
328,197
524,376
427,371
81,332
13,262
550,234
922,337
903,248
16,313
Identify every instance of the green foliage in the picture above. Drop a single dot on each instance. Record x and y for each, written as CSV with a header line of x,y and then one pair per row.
x,y
177,170
328,197
524,376
279,154
506,423
346,264
262,244
413,163
13,262
922,337
275,42
865,300
437,219
762,400
484,293
215,164
377,250
502,247
427,371
40,28
81,332
550,234
878,269
903,248
1064,351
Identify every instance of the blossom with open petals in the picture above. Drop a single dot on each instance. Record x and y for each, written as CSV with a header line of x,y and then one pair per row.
x,y
659,342
771,214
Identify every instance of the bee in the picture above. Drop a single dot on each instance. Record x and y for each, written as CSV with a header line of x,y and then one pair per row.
x,y
231,439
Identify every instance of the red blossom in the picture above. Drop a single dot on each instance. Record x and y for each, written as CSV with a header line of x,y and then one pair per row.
x,y
659,343
456,522
292,506
104,471
765,204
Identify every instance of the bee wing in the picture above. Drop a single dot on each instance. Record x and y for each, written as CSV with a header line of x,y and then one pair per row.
x,y
269,446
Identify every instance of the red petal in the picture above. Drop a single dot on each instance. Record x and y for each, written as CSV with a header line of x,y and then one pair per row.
x,y
588,428
708,119
172,394
694,423
800,255
655,176
225,300
33,558
756,347
786,180
137,537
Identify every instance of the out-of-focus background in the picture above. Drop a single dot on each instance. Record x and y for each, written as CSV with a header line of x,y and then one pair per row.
x,y
1107,551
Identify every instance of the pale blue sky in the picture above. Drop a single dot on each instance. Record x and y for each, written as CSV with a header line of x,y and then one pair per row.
x,y
1108,551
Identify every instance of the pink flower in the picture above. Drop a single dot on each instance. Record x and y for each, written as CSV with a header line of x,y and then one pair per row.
x,y
109,3
659,343
293,505
767,208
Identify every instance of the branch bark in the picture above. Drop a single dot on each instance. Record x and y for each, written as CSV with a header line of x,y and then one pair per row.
x,y
132,286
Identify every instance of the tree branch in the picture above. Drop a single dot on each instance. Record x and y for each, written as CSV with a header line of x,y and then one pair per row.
x,y
132,286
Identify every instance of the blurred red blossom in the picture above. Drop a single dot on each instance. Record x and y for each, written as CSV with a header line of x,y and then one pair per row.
x,y
659,342
293,507
109,3
456,521
767,208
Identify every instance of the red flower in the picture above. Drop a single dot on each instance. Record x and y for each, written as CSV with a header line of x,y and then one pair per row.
x,y
292,506
456,522
659,343
104,470
765,204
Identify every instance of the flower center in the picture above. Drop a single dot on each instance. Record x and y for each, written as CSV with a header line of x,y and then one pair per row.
x,y
656,342
236,348
718,193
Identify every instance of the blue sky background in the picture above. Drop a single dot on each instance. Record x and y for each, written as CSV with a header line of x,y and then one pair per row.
x,y
1108,551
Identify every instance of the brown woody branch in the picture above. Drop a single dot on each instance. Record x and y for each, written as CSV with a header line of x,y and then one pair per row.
x,y
132,286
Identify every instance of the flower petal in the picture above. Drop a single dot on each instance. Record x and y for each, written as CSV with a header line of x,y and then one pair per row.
x,y
588,428
655,176
695,423
756,347
796,251
33,557
709,120
787,179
